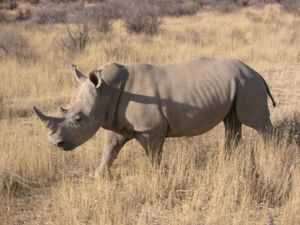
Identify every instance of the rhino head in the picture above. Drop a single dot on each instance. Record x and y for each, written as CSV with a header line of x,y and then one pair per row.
x,y
91,109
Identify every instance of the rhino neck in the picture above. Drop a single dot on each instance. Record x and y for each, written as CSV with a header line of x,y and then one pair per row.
x,y
112,108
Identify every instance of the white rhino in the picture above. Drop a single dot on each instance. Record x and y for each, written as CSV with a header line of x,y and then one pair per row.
x,y
150,103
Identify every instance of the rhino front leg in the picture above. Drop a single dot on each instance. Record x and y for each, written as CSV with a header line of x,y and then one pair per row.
x,y
153,145
112,146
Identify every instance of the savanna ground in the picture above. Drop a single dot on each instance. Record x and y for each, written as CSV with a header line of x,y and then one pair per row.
x,y
197,184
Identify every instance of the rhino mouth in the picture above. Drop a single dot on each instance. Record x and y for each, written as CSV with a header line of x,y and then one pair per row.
x,y
64,146
67,148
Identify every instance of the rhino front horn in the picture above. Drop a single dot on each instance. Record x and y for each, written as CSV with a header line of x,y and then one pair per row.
x,y
78,75
45,119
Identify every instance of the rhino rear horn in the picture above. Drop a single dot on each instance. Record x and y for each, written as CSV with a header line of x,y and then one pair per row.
x,y
62,111
78,75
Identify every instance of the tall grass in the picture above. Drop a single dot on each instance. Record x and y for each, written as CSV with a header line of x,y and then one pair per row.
x,y
197,183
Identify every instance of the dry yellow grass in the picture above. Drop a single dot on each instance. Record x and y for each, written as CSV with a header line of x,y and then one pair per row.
x,y
196,184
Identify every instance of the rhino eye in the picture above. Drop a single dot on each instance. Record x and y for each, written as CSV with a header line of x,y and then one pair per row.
x,y
77,119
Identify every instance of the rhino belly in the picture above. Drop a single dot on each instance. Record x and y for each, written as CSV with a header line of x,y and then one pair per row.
x,y
187,120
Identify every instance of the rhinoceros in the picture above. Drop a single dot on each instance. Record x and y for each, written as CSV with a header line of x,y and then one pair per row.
x,y
150,103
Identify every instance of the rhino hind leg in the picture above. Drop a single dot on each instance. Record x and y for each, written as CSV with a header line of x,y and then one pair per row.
x,y
265,129
252,106
233,130
254,112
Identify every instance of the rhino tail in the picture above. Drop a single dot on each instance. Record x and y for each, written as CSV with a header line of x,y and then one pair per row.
x,y
269,92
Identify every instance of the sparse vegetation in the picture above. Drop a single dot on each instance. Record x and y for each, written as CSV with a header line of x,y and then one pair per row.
x,y
290,128
196,184
76,38
14,44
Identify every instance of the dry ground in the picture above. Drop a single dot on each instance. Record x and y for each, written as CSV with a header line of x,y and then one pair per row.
x,y
196,184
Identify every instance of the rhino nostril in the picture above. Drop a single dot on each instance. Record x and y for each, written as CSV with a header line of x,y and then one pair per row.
x,y
60,144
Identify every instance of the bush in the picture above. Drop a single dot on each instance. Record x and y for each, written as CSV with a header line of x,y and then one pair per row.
x,y
8,4
138,15
102,16
23,14
34,2
73,7
292,6
13,44
142,17
13,4
77,35
2,16
77,30
50,14
179,7
290,126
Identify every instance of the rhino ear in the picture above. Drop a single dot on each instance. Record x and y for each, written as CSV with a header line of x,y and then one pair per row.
x,y
95,78
78,75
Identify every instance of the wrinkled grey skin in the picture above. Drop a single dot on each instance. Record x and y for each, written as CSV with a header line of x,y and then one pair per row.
x,y
150,103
